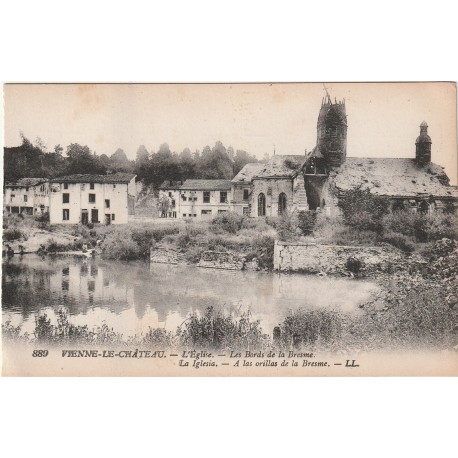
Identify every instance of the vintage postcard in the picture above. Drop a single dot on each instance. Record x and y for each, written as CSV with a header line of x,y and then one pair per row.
x,y
300,229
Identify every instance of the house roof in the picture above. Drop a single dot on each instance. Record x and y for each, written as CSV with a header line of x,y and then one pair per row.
x,y
89,178
393,177
206,185
281,166
25,182
167,184
248,172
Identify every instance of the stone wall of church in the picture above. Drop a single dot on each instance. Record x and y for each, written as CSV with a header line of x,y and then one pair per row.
x,y
271,188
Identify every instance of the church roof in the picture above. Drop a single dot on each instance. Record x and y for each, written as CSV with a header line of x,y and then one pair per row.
x,y
248,172
281,166
393,177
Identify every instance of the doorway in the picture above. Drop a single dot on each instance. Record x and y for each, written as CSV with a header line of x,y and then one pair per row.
x,y
84,217
94,216
107,219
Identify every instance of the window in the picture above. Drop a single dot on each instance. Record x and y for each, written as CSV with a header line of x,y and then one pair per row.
x,y
246,211
261,204
221,211
206,212
184,198
65,185
112,217
114,186
12,196
92,198
91,185
184,215
281,203
223,197
25,198
107,203
246,193
65,214
206,197
194,215
65,198
173,203
170,194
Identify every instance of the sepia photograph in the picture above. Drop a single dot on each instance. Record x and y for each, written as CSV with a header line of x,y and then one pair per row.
x,y
262,229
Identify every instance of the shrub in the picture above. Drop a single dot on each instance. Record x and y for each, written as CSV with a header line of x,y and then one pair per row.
x,y
217,330
11,332
194,254
228,222
310,327
287,227
363,210
55,247
158,338
354,265
306,221
399,241
13,233
120,245
424,228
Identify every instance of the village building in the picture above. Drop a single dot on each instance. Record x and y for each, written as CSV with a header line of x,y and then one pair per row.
x,y
317,181
272,188
203,199
29,196
169,199
83,199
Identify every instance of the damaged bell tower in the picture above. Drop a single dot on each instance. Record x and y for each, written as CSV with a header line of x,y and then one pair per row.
x,y
332,132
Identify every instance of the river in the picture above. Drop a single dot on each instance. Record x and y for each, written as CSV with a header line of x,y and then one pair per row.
x,y
130,296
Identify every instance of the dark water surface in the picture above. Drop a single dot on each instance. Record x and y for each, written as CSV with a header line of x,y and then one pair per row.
x,y
130,296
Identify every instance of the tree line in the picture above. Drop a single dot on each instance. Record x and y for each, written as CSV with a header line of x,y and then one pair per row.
x,y
152,167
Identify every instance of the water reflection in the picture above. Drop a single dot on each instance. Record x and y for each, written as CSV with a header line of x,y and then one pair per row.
x,y
130,296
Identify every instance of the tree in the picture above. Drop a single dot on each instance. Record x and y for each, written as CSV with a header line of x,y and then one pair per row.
x,y
81,160
241,159
118,162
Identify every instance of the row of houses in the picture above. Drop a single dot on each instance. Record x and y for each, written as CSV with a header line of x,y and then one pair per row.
x,y
74,199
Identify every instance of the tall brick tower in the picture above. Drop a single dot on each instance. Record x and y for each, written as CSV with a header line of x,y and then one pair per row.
x,y
332,132
423,145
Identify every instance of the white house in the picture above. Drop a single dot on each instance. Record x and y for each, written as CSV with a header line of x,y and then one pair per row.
x,y
83,199
27,195
202,199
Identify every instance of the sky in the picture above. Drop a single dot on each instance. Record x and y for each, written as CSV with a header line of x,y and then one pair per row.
x,y
383,118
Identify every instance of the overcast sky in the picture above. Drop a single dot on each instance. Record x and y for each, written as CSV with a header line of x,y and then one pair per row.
x,y
383,118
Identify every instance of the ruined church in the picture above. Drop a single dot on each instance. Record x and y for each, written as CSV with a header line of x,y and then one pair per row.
x,y
316,181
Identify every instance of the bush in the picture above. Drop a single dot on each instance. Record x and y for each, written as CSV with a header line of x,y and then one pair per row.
x,y
13,234
158,338
363,210
220,331
227,222
354,265
286,228
424,228
306,221
310,327
55,247
399,241
120,245
194,254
